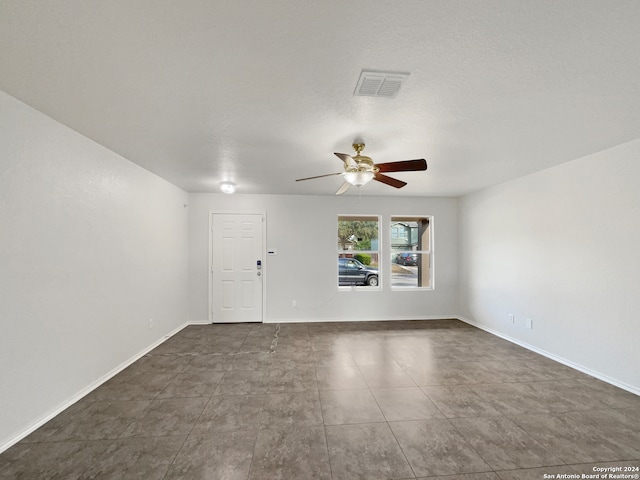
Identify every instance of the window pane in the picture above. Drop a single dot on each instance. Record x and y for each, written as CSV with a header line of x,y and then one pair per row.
x,y
410,233
411,252
357,233
358,251
358,269
411,269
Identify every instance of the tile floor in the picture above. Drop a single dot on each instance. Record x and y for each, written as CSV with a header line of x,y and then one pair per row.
x,y
374,400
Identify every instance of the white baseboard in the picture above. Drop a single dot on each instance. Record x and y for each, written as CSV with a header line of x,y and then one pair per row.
x,y
342,319
564,361
85,391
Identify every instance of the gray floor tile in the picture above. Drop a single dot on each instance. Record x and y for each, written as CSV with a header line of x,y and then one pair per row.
x,y
610,396
435,447
349,406
595,394
292,380
126,386
223,456
294,344
330,358
237,395
405,355
229,413
551,369
208,363
257,344
177,346
43,461
224,348
290,453
286,359
332,342
566,395
366,451
243,381
442,374
385,375
97,421
300,328
514,398
462,354
504,445
147,458
375,355
251,361
168,416
263,330
292,409
54,430
615,426
581,437
340,377
154,364
459,401
192,384
407,403
511,372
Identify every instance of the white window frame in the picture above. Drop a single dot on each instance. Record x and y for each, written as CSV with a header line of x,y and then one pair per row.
x,y
429,252
378,252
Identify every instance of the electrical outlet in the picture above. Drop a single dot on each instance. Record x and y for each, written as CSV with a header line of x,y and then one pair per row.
x,y
151,323
512,318
528,323
294,303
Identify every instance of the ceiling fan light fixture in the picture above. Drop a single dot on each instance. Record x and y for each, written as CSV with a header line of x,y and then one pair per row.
x,y
358,178
228,187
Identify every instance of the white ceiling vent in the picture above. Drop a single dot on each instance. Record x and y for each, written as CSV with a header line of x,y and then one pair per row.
x,y
379,84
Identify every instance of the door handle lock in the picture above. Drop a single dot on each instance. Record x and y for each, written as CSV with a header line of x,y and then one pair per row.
x,y
259,273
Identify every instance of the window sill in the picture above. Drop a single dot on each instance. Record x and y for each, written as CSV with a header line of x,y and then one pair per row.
x,y
358,288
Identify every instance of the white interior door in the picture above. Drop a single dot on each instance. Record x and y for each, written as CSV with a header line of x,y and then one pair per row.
x,y
237,267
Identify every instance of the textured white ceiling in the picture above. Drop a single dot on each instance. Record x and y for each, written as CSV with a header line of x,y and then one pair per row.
x,y
261,92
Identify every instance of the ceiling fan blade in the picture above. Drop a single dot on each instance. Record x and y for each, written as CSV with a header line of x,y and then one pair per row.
x,y
394,182
319,176
347,159
403,166
343,188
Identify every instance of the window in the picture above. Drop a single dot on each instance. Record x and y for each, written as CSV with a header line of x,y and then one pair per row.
x,y
411,252
358,251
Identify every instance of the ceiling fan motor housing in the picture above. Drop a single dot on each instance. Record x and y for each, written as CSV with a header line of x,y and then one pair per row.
x,y
363,164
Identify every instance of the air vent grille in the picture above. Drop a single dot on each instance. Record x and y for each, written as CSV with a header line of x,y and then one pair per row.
x,y
379,84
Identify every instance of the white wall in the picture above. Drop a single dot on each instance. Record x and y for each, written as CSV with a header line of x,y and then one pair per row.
x,y
303,230
561,247
91,247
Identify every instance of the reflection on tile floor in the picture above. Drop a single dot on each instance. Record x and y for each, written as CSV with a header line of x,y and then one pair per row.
x,y
359,400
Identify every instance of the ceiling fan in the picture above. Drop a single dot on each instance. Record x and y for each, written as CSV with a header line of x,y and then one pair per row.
x,y
360,170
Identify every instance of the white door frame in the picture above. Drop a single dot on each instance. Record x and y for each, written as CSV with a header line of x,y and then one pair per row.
x,y
264,263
